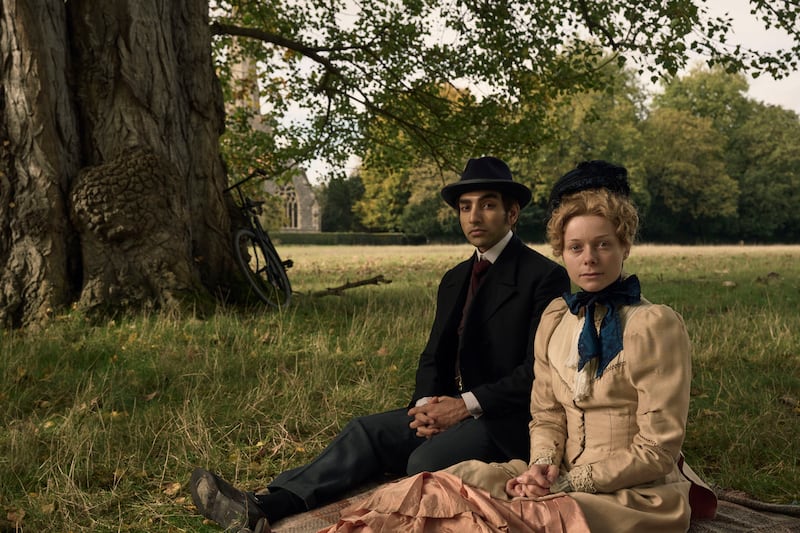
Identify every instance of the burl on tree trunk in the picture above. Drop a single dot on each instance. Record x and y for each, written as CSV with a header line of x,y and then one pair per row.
x,y
135,233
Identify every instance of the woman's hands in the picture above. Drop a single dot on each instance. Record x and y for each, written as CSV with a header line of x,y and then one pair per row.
x,y
534,483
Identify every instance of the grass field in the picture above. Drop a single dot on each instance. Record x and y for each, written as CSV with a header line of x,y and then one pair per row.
x,y
102,423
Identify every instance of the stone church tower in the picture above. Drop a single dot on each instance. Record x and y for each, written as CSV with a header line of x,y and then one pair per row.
x,y
301,206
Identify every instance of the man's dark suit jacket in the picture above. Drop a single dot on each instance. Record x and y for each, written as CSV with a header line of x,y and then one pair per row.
x,y
497,347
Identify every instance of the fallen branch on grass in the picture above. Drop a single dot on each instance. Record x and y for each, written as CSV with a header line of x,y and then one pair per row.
x,y
337,291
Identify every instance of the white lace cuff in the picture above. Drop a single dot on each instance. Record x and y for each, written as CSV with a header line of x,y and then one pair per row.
x,y
547,456
580,478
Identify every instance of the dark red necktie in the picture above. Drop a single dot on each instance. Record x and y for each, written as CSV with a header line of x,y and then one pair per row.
x,y
479,268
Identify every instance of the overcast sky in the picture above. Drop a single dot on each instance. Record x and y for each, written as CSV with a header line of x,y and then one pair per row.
x,y
747,31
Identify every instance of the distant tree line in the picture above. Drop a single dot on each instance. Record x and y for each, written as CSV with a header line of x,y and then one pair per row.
x,y
707,164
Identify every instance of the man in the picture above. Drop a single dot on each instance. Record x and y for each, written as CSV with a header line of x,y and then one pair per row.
x,y
474,378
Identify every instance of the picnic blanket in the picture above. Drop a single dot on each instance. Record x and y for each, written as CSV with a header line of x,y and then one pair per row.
x,y
736,513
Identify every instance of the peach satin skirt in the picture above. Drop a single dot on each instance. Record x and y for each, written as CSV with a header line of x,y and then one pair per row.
x,y
442,502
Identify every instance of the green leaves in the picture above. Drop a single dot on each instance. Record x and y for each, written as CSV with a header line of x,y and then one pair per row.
x,y
328,70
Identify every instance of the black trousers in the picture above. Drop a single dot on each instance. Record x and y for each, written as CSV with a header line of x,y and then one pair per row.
x,y
373,445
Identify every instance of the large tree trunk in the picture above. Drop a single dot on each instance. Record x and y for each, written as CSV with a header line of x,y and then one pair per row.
x,y
110,174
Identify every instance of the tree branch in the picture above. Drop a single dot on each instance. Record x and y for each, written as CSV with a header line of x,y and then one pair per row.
x,y
312,53
377,280
593,26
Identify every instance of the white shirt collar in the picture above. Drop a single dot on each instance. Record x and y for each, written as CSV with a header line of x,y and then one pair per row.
x,y
494,252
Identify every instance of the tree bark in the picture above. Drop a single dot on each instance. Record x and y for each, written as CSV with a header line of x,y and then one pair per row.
x,y
110,173
40,154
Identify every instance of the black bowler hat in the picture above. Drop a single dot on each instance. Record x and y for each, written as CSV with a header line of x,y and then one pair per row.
x,y
487,173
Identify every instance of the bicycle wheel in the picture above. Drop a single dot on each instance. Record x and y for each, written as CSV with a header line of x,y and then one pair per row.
x,y
263,268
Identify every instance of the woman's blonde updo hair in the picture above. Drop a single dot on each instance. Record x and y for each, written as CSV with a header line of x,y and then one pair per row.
x,y
592,188
600,202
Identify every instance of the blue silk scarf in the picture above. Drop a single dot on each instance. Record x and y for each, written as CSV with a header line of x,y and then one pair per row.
x,y
608,344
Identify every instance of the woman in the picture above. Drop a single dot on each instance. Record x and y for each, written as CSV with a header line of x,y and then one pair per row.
x,y
609,403
613,372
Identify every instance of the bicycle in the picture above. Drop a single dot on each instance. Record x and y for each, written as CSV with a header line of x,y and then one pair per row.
x,y
255,253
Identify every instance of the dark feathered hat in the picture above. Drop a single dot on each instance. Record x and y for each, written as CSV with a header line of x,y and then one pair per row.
x,y
595,174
